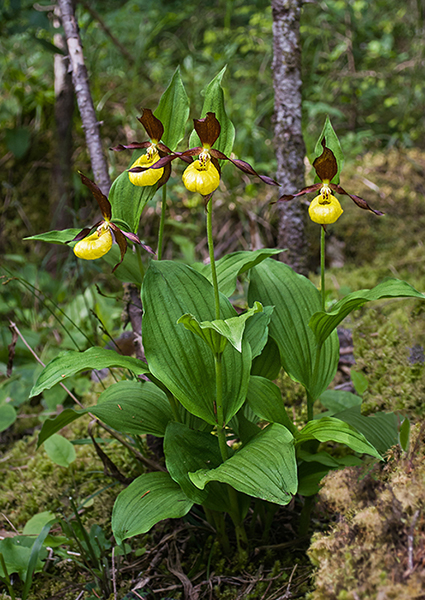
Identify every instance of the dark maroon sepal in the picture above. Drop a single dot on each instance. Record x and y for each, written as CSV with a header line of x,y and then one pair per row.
x,y
122,243
356,199
154,127
208,129
101,199
132,146
165,176
325,165
306,190
163,149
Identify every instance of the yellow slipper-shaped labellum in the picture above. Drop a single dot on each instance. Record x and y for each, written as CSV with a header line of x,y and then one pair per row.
x,y
146,177
325,211
94,246
201,179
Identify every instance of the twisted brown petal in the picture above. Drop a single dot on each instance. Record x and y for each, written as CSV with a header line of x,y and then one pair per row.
x,y
359,201
243,166
306,190
121,241
101,199
131,146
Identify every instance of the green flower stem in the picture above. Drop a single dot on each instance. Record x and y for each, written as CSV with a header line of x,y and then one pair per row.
x,y
162,221
310,399
139,260
220,527
322,266
174,407
212,259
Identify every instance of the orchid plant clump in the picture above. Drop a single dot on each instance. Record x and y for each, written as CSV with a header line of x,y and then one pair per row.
x,y
208,379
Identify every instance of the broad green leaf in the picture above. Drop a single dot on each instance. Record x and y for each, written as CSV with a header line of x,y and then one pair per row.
x,y
379,429
134,407
16,553
128,200
151,498
265,399
257,331
332,142
7,416
35,525
173,111
245,428
187,450
295,300
214,102
60,450
310,474
332,429
179,359
55,237
232,265
51,426
323,324
129,269
231,329
71,362
265,468
337,400
267,364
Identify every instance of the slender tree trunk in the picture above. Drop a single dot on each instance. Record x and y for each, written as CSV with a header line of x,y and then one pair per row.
x,y
62,188
84,99
289,142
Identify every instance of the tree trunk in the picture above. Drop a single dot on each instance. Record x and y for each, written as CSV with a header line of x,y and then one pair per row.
x,y
84,99
62,187
290,150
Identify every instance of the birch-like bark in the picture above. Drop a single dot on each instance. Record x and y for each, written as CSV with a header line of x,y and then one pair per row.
x,y
290,149
82,91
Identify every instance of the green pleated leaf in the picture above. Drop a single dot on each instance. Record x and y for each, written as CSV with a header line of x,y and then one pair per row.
x,y
181,360
265,468
332,429
404,434
379,429
323,324
267,364
60,450
134,407
71,362
332,142
51,426
127,200
151,498
232,265
231,329
173,111
214,102
265,399
295,300
337,400
187,450
17,553
55,237
257,330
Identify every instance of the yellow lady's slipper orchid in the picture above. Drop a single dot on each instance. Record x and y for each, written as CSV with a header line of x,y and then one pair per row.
x,y
98,243
149,177
140,172
201,176
95,245
325,208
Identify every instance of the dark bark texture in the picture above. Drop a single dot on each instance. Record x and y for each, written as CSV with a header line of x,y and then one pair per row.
x,y
290,149
84,99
